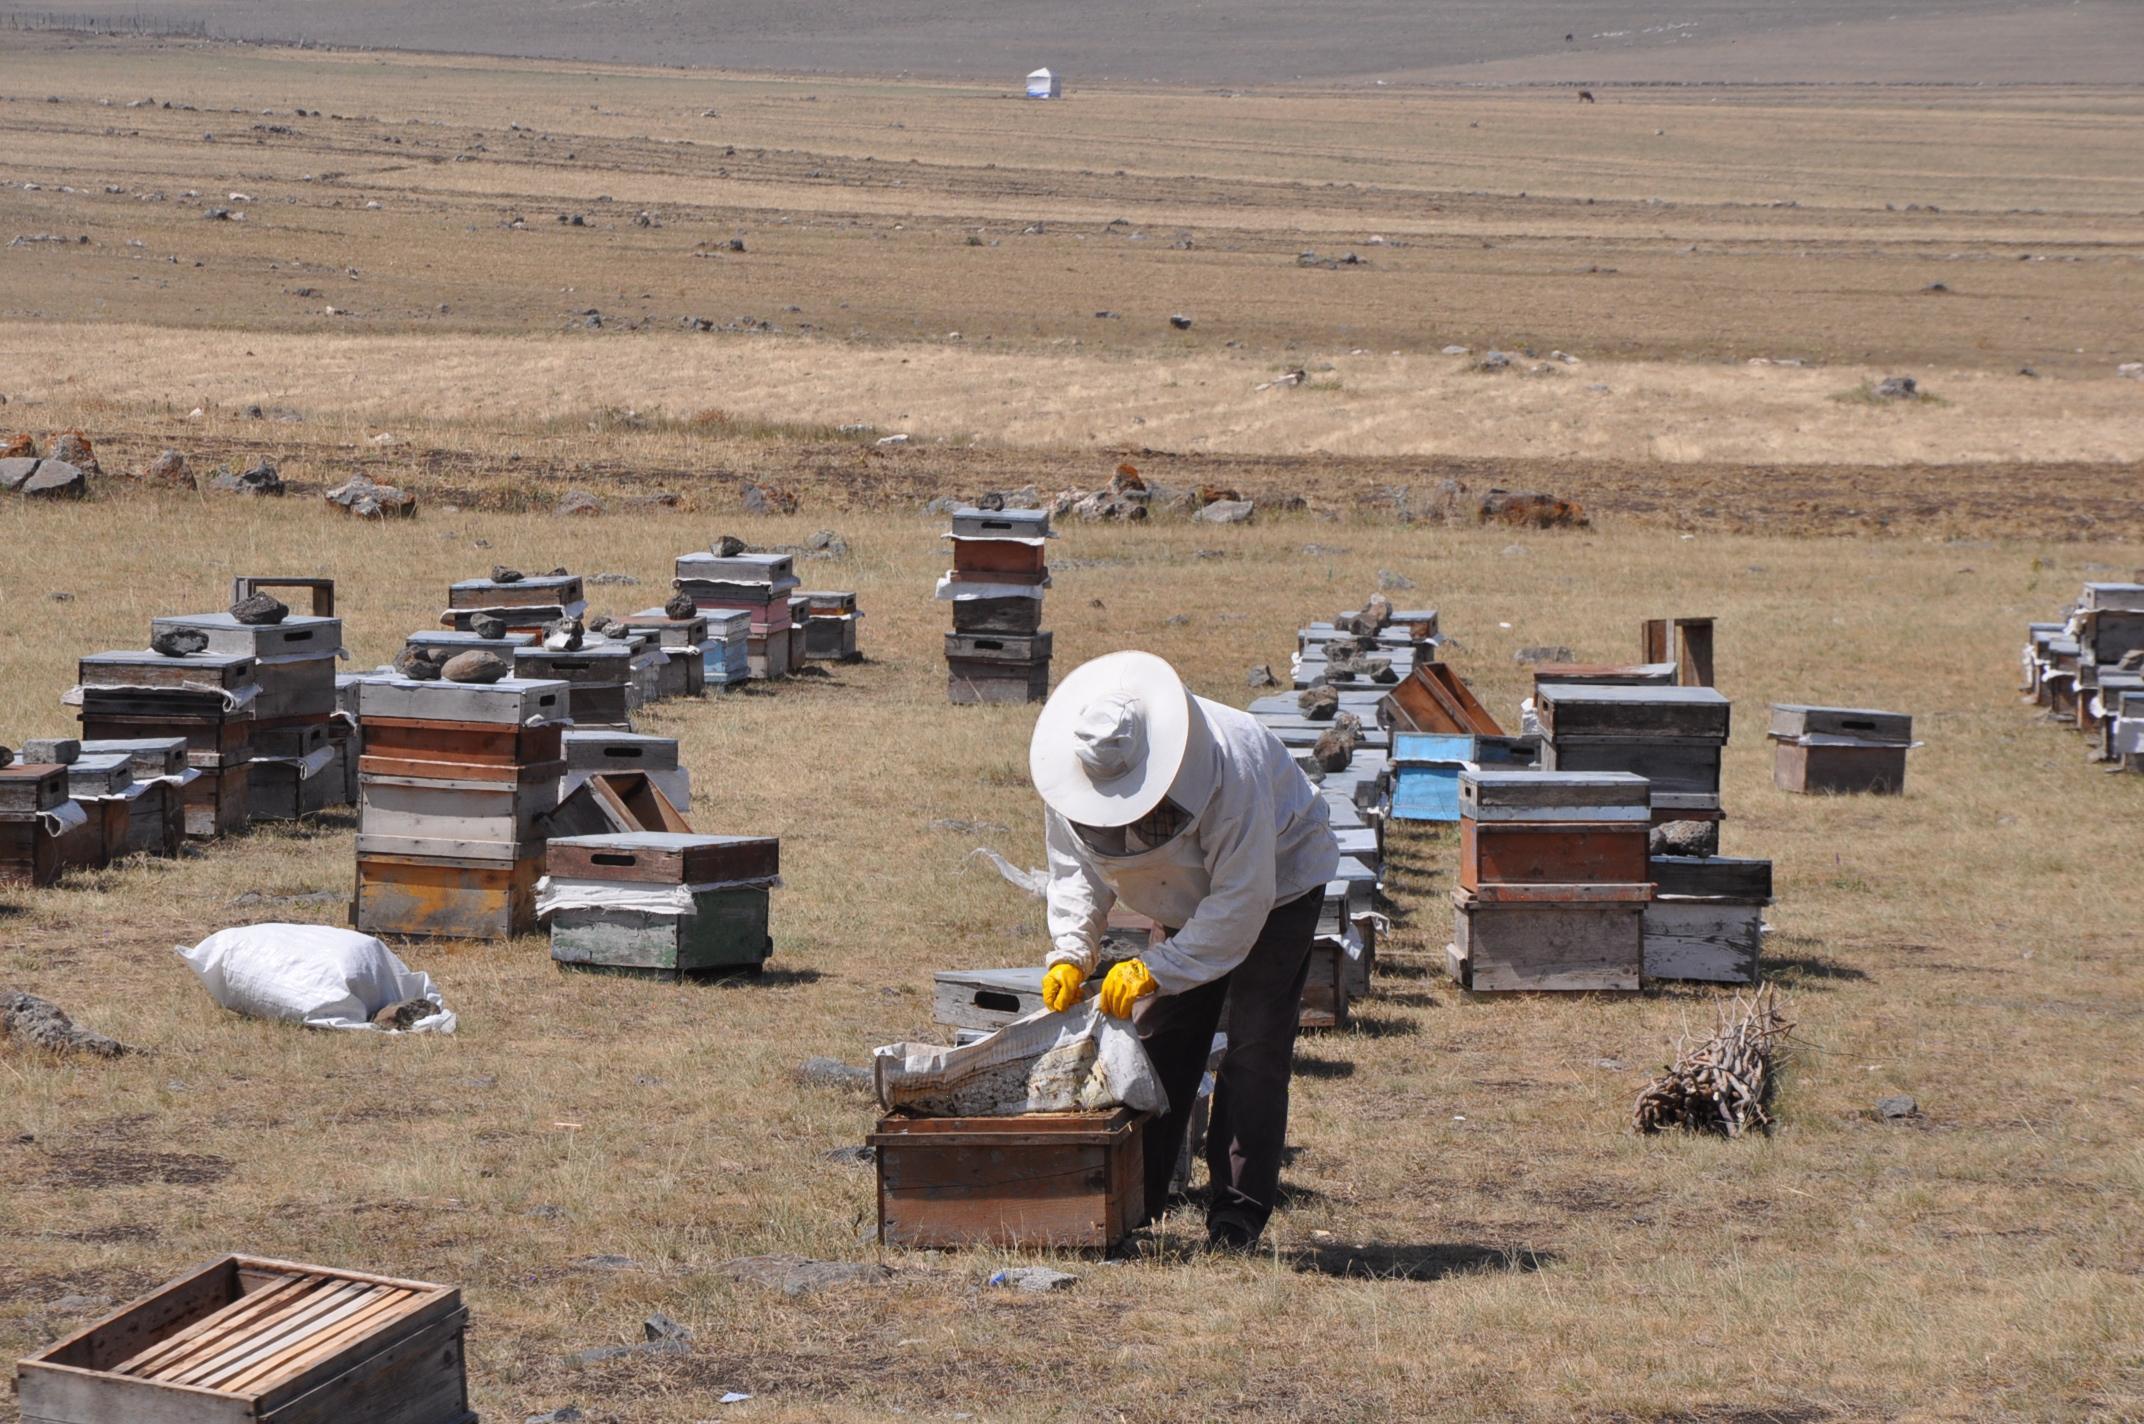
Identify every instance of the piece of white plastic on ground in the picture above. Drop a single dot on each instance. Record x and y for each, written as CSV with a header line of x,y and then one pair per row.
x,y
1034,882
315,975
994,1077
734,1397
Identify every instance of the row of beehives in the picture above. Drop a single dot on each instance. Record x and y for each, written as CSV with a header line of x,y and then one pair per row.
x,y
2088,670
1588,846
233,720
487,808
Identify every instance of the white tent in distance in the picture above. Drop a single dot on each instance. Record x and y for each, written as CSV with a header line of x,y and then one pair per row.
x,y
1044,85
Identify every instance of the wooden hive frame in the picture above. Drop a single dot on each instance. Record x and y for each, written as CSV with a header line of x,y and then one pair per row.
x,y
249,1338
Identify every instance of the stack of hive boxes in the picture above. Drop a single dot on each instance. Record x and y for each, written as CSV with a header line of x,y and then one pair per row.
x,y
294,667
660,905
456,782
601,673
1671,736
757,584
1839,749
684,670
156,799
207,698
997,651
526,603
1553,881
32,822
830,620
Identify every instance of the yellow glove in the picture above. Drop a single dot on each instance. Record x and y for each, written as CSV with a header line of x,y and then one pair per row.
x,y
1060,986
1124,986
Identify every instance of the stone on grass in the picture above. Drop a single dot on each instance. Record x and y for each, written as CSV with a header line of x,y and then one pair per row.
x,y
55,479
578,504
178,642
260,610
169,468
608,580
39,1023
851,1156
52,751
1543,653
1897,388
402,1014
1038,1279
1226,511
260,478
18,446
73,447
661,1327
1897,1108
1180,322
366,499
769,499
569,1414
15,469
475,666
1529,510
1393,582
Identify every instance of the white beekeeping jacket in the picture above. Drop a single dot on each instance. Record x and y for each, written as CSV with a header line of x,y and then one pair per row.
x,y
1262,839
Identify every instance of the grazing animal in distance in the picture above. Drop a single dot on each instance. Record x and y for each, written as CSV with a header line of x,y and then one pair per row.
x,y
1585,96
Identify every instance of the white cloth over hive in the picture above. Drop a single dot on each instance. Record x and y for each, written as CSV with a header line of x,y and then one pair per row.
x,y
1081,1060
316,975
558,892
1262,839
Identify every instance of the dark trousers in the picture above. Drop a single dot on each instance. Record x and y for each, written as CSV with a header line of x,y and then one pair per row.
x,y
1248,1127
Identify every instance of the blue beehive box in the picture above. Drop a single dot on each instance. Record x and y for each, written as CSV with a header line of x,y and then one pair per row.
x,y
1425,774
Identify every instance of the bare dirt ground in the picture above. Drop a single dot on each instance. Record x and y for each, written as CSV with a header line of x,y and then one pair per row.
x,y
1470,1231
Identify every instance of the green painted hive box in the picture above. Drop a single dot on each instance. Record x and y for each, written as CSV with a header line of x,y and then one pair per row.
x,y
664,905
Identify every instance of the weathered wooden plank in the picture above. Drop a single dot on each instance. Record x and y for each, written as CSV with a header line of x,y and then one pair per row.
x,y
1793,719
1552,853
1583,709
1839,770
665,858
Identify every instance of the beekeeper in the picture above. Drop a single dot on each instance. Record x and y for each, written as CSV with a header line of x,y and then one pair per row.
x,y
1195,816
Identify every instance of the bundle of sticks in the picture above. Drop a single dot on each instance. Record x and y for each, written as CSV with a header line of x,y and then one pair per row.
x,y
1724,1084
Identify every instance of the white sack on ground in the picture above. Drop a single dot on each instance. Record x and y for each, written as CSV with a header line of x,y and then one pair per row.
x,y
1081,1060
316,975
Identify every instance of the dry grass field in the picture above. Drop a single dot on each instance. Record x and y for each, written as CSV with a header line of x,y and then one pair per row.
x,y
1470,1230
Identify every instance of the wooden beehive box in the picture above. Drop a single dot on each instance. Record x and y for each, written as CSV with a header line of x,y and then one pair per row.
x,y
1605,674
509,703
707,902
1706,919
1065,1181
292,788
1603,710
1793,719
1560,946
294,661
424,895
126,672
1433,698
969,683
998,555
596,753
450,642
1425,774
31,787
1325,986
972,523
1010,614
985,998
248,1339
1820,766
562,591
